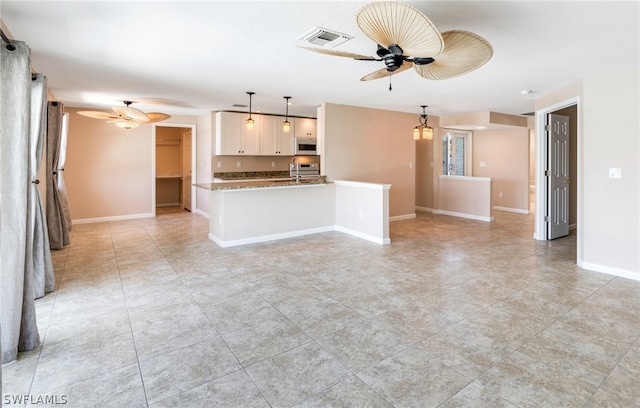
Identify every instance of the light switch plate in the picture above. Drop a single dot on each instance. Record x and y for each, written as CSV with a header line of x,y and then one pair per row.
x,y
483,164
615,173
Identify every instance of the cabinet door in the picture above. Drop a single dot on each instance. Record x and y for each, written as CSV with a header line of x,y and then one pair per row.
x,y
285,140
228,133
232,136
269,137
274,140
305,127
250,139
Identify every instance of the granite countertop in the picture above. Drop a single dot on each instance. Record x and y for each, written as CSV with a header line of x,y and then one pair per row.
x,y
263,183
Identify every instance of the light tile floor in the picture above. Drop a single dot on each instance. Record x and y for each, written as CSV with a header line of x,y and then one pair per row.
x,y
453,313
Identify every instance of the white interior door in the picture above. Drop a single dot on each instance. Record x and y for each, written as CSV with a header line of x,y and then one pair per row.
x,y
186,169
558,176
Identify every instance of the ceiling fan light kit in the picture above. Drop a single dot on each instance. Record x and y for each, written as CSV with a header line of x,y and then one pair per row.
x,y
406,38
127,117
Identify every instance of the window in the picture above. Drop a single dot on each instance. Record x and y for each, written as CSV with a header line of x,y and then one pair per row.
x,y
456,153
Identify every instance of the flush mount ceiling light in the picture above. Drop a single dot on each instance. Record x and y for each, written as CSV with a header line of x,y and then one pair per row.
x,y
250,122
526,92
423,128
286,125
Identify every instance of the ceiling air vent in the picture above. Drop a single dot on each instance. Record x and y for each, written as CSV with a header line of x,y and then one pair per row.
x,y
324,37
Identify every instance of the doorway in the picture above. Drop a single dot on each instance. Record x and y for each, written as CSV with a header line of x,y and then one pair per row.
x,y
173,168
569,109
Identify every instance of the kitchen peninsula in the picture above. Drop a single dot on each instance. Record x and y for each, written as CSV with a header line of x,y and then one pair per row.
x,y
245,212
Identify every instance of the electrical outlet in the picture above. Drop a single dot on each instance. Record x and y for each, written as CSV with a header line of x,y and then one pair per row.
x,y
500,194
615,173
238,164
360,214
219,165
410,165
273,164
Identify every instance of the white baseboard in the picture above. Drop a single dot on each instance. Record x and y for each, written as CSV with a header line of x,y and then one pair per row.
x,y
265,238
609,270
426,209
402,217
463,215
513,210
200,212
114,218
377,240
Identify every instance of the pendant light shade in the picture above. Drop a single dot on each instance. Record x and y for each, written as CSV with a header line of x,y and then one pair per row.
x,y
423,129
286,125
250,122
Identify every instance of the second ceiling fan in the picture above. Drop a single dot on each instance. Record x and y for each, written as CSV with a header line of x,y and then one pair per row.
x,y
406,38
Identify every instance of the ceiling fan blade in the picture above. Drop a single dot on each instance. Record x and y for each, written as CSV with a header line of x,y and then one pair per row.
x,y
390,22
98,115
132,113
339,53
157,117
383,73
463,53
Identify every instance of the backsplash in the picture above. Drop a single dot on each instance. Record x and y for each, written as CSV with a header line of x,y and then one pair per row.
x,y
239,175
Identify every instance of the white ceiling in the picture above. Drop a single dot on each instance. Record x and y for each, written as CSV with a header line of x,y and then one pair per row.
x,y
184,57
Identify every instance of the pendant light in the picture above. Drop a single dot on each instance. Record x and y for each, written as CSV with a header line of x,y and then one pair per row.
x,y
250,122
286,125
423,129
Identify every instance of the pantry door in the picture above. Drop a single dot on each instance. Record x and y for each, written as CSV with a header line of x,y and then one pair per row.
x,y
558,176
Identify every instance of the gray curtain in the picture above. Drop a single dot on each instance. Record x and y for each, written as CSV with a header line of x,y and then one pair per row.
x,y
16,290
56,198
39,263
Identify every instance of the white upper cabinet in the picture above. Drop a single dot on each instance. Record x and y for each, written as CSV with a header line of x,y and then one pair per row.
x,y
305,127
275,141
232,136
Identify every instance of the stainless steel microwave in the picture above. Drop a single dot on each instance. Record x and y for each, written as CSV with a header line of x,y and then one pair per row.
x,y
306,146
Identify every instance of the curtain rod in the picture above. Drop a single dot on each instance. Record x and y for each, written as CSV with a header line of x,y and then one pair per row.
x,y
6,39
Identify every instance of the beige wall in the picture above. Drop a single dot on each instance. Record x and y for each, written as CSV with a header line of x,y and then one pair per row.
x,y
109,172
611,228
372,145
607,213
504,152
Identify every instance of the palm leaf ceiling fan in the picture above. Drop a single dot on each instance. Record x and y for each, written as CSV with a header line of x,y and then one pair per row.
x,y
126,117
406,38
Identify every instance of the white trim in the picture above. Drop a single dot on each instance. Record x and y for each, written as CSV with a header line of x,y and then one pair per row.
x,y
463,215
426,209
114,218
200,212
265,238
540,226
609,270
402,217
375,186
194,139
371,238
513,210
